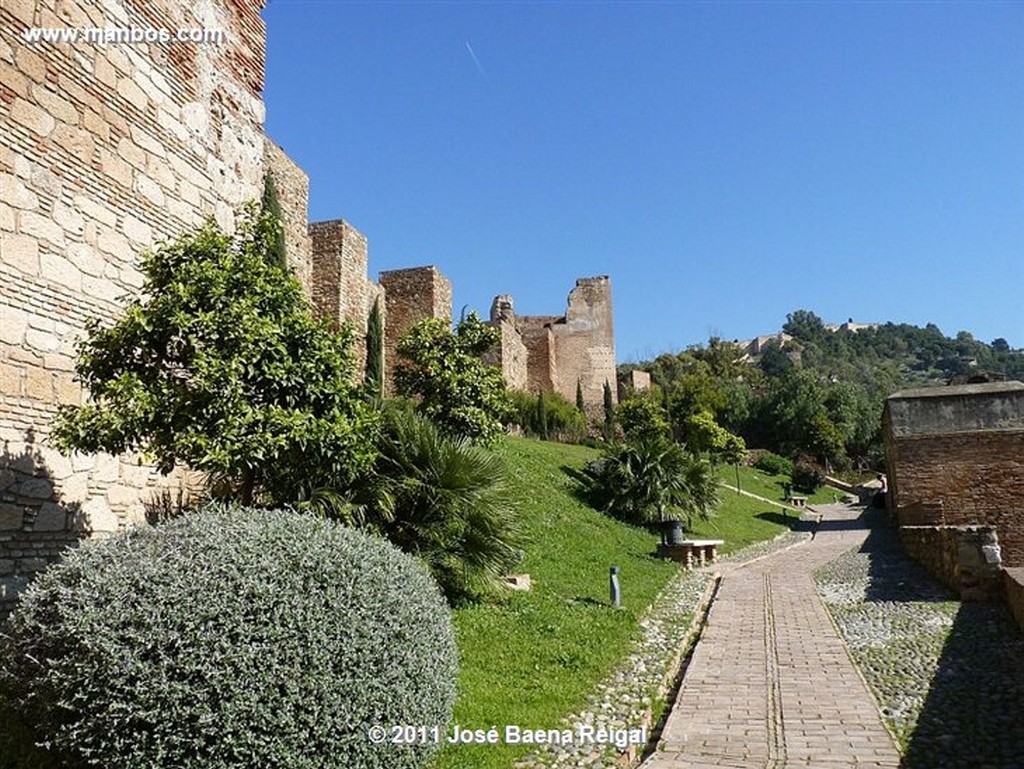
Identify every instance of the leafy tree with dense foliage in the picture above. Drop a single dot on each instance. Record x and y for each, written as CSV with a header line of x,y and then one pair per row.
x,y
375,351
641,417
218,365
443,370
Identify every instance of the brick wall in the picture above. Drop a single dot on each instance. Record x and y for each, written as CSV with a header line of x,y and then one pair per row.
x,y
963,479
411,295
341,292
104,151
539,342
956,458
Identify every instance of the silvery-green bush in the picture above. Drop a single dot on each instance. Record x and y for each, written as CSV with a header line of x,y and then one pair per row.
x,y
231,638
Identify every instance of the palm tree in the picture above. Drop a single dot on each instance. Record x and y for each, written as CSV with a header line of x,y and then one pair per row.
x,y
654,480
444,500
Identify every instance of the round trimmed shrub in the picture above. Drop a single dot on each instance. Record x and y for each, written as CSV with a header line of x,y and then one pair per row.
x,y
773,464
807,477
231,638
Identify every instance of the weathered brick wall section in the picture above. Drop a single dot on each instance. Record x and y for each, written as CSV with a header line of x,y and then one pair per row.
x,y
411,295
104,150
964,558
341,291
634,381
578,347
539,341
292,185
510,353
1013,586
956,458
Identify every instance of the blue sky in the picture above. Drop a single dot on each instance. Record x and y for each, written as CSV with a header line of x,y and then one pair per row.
x,y
724,163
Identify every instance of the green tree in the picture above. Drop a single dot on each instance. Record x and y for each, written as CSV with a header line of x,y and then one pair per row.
x,y
443,370
271,205
375,351
580,403
642,417
542,415
609,413
219,366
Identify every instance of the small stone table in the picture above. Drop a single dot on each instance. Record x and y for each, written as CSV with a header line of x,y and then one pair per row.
x,y
692,552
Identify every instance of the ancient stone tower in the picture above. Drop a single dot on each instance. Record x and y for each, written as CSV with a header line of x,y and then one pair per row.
x,y
411,295
561,351
341,292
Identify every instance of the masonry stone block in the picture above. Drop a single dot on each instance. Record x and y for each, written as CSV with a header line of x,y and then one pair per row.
x,y
99,518
54,104
12,517
132,93
60,270
51,517
32,117
39,384
16,193
13,322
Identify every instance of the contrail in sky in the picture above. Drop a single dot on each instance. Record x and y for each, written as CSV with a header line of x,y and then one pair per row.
x,y
476,61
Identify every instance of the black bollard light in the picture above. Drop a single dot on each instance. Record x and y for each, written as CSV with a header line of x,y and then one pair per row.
x,y
613,583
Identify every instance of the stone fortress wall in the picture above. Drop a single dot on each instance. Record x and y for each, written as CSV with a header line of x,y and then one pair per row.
x,y
107,149
104,151
955,456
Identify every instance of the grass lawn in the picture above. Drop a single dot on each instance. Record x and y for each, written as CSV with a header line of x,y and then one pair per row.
x,y
533,660
772,486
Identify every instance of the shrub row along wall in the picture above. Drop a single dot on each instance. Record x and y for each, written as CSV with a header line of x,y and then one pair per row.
x,y
964,558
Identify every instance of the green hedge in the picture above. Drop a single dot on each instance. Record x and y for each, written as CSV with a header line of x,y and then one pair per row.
x,y
229,638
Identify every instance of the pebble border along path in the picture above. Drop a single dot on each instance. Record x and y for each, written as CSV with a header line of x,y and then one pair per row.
x,y
947,674
628,698
770,683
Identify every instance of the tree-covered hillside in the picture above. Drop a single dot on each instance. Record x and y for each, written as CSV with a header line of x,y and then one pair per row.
x,y
817,391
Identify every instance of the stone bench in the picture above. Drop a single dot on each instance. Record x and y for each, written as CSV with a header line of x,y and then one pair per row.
x,y
692,552
797,501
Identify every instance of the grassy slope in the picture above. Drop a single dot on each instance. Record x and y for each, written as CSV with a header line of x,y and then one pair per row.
x,y
771,486
534,659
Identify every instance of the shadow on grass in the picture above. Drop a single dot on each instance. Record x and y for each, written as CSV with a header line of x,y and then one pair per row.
x,y
782,519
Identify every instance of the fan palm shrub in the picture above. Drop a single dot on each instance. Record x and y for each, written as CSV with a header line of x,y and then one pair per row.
x,y
442,499
646,481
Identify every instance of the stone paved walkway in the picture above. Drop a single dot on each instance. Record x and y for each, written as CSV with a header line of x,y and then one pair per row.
x,y
771,684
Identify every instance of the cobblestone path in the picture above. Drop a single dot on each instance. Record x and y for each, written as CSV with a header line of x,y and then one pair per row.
x,y
771,684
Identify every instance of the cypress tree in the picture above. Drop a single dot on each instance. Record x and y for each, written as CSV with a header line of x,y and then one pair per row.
x,y
542,415
375,350
272,205
609,413
579,397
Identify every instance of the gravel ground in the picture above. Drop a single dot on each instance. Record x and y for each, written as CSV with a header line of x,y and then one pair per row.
x,y
949,676
627,698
